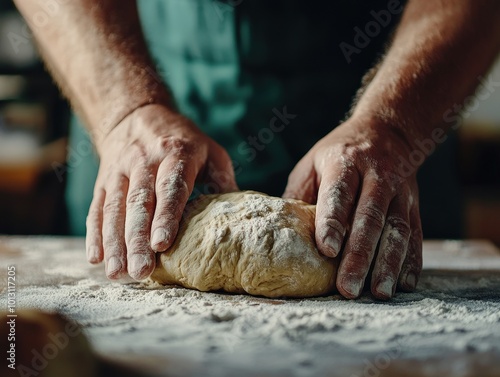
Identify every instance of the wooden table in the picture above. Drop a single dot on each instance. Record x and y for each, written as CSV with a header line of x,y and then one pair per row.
x,y
41,264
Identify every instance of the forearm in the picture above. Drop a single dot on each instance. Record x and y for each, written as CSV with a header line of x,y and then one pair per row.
x,y
97,54
439,53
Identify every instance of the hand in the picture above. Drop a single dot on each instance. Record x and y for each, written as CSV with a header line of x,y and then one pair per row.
x,y
365,205
149,164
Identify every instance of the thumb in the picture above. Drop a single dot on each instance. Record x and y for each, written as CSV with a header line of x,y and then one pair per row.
x,y
302,182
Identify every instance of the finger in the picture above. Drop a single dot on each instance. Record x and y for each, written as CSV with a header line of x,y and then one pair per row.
x,y
302,182
367,225
93,240
392,249
336,198
140,211
412,265
113,227
220,172
174,183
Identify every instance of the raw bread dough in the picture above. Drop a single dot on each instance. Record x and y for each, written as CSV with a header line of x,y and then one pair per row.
x,y
247,242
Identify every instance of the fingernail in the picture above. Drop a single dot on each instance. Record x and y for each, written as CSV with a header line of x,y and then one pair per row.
x,y
411,280
159,236
113,265
353,287
93,254
137,264
385,287
333,243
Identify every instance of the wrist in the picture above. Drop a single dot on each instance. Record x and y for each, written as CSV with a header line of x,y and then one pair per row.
x,y
114,112
387,121
130,121
402,146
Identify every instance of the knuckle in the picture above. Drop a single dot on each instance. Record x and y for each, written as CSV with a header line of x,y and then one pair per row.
x,y
170,204
140,197
373,214
390,187
332,223
166,215
417,236
172,186
113,249
138,154
93,214
352,152
382,178
400,226
350,157
414,260
389,260
384,185
414,256
112,204
417,267
176,146
359,257
340,195
392,178
91,224
137,240
360,150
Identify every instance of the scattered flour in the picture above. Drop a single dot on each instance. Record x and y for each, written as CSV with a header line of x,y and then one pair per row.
x,y
219,334
261,216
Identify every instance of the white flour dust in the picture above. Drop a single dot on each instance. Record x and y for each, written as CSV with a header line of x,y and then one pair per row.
x,y
219,333
261,217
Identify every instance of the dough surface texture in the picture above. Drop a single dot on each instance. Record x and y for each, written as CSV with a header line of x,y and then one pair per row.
x,y
247,242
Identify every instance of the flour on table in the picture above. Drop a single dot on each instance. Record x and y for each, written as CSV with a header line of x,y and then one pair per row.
x,y
188,333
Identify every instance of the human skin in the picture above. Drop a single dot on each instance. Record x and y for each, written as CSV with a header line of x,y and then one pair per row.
x,y
439,52
151,155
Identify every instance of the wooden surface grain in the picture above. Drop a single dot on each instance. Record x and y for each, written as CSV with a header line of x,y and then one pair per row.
x,y
447,260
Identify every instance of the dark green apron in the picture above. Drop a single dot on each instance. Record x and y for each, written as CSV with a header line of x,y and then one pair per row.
x,y
264,79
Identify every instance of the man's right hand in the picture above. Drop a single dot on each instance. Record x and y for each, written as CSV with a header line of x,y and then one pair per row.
x,y
150,160
148,166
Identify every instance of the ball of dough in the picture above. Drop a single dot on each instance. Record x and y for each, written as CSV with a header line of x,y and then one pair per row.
x,y
247,242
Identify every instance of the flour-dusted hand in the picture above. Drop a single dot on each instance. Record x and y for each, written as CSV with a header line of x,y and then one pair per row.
x,y
149,162
148,167
364,204
367,209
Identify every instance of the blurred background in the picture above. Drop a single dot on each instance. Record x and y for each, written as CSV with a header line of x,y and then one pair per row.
x,y
33,130
33,144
